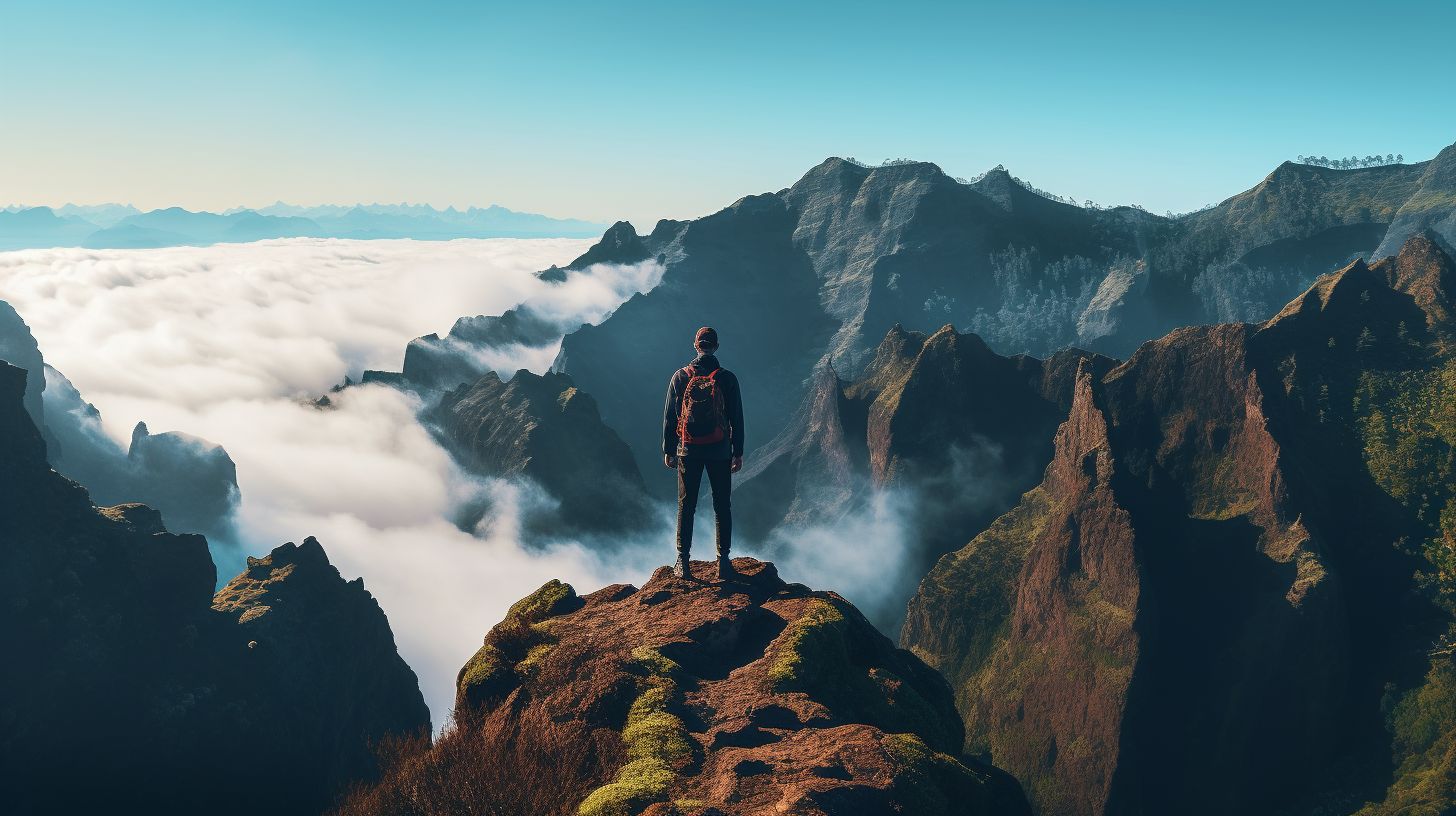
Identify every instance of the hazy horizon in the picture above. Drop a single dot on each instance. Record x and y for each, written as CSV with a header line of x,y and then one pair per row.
x,y
169,104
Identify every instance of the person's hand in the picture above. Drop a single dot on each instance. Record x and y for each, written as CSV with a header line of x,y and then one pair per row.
x,y
669,461
737,464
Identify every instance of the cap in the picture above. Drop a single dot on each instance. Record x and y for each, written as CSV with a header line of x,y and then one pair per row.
x,y
706,336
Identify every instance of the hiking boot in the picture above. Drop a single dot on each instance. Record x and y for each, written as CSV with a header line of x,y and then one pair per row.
x,y
725,569
680,569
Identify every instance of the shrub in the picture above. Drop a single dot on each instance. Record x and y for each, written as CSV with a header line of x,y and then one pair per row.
x,y
537,767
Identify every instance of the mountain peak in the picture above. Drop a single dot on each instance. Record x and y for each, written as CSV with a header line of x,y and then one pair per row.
x,y
751,695
620,244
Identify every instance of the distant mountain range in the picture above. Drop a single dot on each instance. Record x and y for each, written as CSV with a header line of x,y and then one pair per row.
x,y
122,226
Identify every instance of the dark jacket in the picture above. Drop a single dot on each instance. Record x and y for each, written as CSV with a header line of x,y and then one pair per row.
x,y
732,400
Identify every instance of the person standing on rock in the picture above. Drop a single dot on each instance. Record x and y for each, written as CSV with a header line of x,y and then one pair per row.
x,y
702,430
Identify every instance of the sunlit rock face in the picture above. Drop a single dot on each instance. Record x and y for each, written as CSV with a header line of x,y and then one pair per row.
x,y
1214,579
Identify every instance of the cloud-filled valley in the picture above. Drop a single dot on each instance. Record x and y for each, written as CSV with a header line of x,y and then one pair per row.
x,y
231,343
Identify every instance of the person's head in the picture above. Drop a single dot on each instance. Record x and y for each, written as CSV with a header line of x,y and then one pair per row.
x,y
706,340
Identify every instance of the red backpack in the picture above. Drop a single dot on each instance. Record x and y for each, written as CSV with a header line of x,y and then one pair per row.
x,y
702,419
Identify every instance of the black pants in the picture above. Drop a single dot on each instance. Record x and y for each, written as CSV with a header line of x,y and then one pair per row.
x,y
689,482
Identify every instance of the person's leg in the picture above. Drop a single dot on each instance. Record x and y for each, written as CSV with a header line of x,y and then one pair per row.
x,y
689,481
720,477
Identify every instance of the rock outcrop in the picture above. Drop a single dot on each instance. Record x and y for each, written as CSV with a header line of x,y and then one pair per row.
x,y
327,681
18,347
1207,606
753,696
129,690
544,429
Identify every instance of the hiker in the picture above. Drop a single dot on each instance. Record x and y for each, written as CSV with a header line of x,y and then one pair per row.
x,y
702,429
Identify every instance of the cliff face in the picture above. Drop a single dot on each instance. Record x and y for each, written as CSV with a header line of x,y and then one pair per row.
x,y
955,432
747,697
545,429
1207,603
18,347
318,654
131,691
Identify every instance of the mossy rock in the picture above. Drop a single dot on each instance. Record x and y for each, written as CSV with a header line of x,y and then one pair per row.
x,y
932,783
514,648
823,653
552,599
657,745
486,677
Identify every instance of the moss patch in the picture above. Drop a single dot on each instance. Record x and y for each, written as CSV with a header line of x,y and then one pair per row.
x,y
657,745
552,599
813,642
824,653
653,662
931,782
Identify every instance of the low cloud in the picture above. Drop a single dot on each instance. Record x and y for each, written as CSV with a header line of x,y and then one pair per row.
x,y
863,554
228,342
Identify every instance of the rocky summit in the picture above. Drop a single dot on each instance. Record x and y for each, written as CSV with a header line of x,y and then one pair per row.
x,y
707,697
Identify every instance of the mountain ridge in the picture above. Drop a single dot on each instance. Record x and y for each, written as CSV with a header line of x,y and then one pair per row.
x,y
111,226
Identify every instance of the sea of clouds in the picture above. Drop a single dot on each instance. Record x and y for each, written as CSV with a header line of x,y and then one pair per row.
x,y
230,342
233,342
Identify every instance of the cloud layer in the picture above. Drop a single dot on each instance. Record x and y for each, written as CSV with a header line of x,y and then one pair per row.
x,y
227,342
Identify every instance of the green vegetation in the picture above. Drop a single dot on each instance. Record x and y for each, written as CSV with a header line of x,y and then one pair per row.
x,y
1423,728
553,598
816,655
653,661
931,782
1217,493
813,642
1408,423
515,647
980,579
657,744
1353,161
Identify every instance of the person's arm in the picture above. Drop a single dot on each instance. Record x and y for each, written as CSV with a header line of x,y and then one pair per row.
x,y
735,417
669,420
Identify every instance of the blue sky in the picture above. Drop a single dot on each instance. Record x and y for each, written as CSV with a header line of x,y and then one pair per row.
x,y
643,110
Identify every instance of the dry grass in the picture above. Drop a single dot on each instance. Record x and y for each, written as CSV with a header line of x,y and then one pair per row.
x,y
531,767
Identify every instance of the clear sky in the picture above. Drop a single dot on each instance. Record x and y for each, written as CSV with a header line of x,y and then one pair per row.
x,y
642,110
